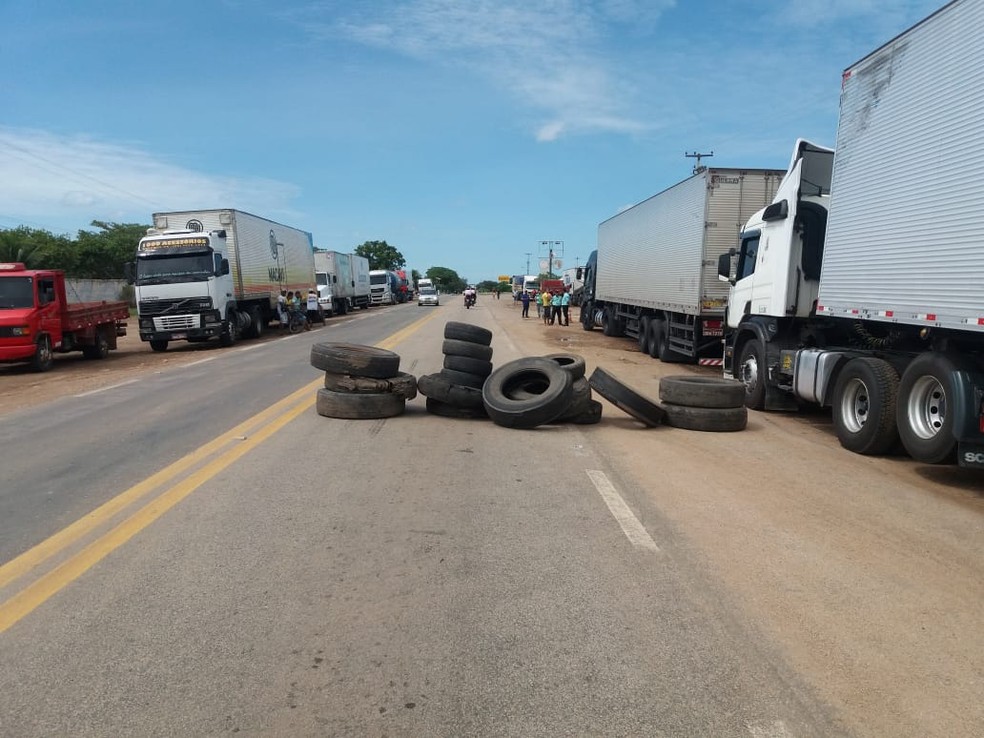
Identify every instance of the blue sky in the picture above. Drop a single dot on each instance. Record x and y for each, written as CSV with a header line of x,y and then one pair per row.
x,y
463,133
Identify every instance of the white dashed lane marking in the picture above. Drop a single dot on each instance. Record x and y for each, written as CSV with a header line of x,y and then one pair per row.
x,y
633,529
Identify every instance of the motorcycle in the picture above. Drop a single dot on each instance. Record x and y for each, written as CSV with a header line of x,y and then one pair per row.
x,y
469,301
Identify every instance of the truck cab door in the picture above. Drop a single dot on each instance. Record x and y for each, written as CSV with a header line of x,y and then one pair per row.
x,y
49,309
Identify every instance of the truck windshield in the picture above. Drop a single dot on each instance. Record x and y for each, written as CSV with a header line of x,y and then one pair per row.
x,y
173,269
322,278
378,278
16,292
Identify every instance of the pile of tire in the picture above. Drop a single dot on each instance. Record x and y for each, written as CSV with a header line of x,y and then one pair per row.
x,y
361,382
456,390
703,403
540,390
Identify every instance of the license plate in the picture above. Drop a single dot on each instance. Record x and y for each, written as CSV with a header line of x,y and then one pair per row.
x,y
178,336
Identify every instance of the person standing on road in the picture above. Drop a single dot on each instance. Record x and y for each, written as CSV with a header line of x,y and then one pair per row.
x,y
555,308
545,299
282,308
312,307
525,298
565,306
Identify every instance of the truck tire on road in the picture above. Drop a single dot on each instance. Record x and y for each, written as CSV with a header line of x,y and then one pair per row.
x,y
531,412
454,347
437,387
98,350
465,379
355,359
645,336
864,406
403,384
573,363
926,404
714,419
751,371
467,332
445,410
626,399
479,367
356,406
43,357
590,416
701,391
158,345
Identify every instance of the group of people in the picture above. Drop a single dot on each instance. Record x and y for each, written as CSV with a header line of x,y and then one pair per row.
x,y
290,301
552,308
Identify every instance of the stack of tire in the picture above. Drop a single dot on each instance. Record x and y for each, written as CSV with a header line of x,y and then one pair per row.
x,y
361,382
456,390
703,403
540,390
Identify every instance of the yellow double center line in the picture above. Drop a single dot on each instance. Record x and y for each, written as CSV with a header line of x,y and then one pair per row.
x,y
248,435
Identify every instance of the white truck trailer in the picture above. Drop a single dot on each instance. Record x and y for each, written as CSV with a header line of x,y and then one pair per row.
x,y
653,274
200,274
340,289
861,287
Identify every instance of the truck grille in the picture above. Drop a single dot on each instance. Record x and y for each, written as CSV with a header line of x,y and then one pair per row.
x,y
153,308
177,322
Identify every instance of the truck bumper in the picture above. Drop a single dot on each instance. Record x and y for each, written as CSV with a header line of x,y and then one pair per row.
x,y
183,327
203,333
15,352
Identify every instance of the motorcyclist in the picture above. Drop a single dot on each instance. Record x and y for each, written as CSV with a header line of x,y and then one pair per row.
x,y
469,296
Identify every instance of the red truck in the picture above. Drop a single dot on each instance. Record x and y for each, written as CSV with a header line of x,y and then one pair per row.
x,y
36,319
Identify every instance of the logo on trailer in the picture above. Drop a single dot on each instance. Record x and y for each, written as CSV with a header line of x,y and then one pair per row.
x,y
195,225
273,245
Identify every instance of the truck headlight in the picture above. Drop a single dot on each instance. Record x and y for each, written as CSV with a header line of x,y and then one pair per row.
x,y
20,330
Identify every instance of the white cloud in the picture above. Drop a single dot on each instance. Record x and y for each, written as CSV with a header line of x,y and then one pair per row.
x,y
549,54
64,182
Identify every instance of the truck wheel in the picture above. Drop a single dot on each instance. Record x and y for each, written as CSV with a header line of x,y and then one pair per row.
x,y
751,371
574,363
98,350
256,324
465,379
864,409
440,388
714,419
644,335
467,332
534,411
587,316
353,406
925,409
655,330
466,364
43,358
228,336
626,399
609,322
662,348
701,391
355,359
453,347
158,345
402,384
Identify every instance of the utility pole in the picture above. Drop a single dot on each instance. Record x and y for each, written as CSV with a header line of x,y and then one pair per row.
x,y
552,247
698,156
528,255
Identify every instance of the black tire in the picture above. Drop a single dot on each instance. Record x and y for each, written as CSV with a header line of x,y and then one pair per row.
x,y
656,328
751,371
228,336
441,388
465,379
467,332
590,416
608,322
355,359
714,419
466,364
701,391
662,347
626,399
351,406
644,336
453,347
580,400
402,384
256,325
534,411
573,363
587,316
43,357
99,350
926,406
158,346
445,410
864,406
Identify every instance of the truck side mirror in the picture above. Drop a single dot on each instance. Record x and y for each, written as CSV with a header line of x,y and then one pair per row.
x,y
724,266
776,211
579,273
224,268
129,272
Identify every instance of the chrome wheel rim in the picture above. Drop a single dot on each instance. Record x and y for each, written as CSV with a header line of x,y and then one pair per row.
x,y
926,407
855,406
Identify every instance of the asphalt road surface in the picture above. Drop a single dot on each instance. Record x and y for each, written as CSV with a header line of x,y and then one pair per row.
x,y
194,551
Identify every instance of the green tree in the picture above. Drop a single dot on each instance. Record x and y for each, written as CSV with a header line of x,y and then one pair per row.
x,y
28,246
381,255
102,254
487,285
415,275
446,280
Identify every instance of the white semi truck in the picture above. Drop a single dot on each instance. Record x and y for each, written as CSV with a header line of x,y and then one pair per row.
x,y
201,274
653,276
343,281
861,286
